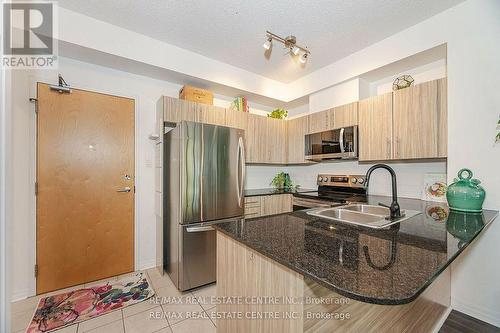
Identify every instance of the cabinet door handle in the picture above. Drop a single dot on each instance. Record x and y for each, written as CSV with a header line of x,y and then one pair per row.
x,y
388,148
397,146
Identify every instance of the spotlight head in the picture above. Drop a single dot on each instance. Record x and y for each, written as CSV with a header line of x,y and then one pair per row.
x,y
267,44
303,58
295,50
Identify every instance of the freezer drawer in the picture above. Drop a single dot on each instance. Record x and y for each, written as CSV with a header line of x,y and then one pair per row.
x,y
198,256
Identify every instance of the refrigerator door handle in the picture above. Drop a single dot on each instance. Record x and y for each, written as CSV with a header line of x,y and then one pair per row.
x,y
199,229
241,170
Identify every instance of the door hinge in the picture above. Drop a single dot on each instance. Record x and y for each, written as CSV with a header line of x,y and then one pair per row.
x,y
134,188
34,100
36,270
36,188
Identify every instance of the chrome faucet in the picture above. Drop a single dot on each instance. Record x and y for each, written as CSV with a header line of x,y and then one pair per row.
x,y
394,207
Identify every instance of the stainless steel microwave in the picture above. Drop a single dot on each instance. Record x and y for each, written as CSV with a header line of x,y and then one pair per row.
x,y
341,143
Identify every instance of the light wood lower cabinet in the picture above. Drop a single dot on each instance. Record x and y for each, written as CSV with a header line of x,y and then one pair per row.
x,y
276,204
419,118
253,207
375,128
246,275
268,205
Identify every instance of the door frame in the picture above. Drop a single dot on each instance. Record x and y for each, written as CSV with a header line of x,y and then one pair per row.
x,y
33,82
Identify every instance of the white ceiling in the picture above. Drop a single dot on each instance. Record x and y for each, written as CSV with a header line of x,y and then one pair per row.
x,y
234,31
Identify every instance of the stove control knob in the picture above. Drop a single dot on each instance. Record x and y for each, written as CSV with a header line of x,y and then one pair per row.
x,y
325,180
320,179
361,181
354,180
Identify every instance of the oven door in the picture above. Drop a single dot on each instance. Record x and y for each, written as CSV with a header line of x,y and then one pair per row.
x,y
304,203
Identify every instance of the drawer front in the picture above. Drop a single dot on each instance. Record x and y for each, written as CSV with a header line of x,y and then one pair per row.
x,y
252,201
252,211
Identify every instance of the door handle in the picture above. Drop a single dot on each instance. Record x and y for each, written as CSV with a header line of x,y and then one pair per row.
x,y
240,184
125,189
199,229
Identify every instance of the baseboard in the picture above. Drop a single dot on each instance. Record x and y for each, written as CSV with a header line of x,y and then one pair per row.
x,y
146,264
441,321
20,295
479,312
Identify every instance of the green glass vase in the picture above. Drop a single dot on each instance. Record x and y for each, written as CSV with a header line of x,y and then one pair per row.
x,y
465,194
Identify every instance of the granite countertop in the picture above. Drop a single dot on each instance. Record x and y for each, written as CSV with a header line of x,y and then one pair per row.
x,y
380,266
270,191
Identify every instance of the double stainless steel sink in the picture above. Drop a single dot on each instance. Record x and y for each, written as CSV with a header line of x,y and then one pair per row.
x,y
360,214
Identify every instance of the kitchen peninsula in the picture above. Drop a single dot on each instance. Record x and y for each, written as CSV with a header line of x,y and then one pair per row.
x,y
332,276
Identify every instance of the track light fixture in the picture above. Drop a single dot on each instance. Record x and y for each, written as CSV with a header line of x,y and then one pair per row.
x,y
303,58
290,43
267,45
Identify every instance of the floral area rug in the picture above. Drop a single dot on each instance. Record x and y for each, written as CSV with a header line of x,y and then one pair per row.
x,y
54,312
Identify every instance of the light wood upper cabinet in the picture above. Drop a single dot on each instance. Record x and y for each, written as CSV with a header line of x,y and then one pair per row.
x,y
320,121
276,204
209,114
344,115
375,128
237,119
419,121
177,110
256,139
266,140
275,141
296,131
442,117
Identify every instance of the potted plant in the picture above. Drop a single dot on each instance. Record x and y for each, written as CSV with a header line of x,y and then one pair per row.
x,y
278,114
282,181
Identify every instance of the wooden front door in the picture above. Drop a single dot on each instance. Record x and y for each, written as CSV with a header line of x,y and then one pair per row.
x,y
85,159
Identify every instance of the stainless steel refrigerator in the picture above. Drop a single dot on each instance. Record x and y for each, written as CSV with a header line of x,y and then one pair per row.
x,y
203,175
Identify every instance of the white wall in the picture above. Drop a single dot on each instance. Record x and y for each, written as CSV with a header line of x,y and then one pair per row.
x,y
344,93
5,200
474,107
433,71
410,175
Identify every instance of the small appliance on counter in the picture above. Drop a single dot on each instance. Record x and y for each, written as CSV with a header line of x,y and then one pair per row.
x,y
333,190
465,194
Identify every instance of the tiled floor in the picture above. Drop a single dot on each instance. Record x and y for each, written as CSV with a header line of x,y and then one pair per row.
x,y
170,311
